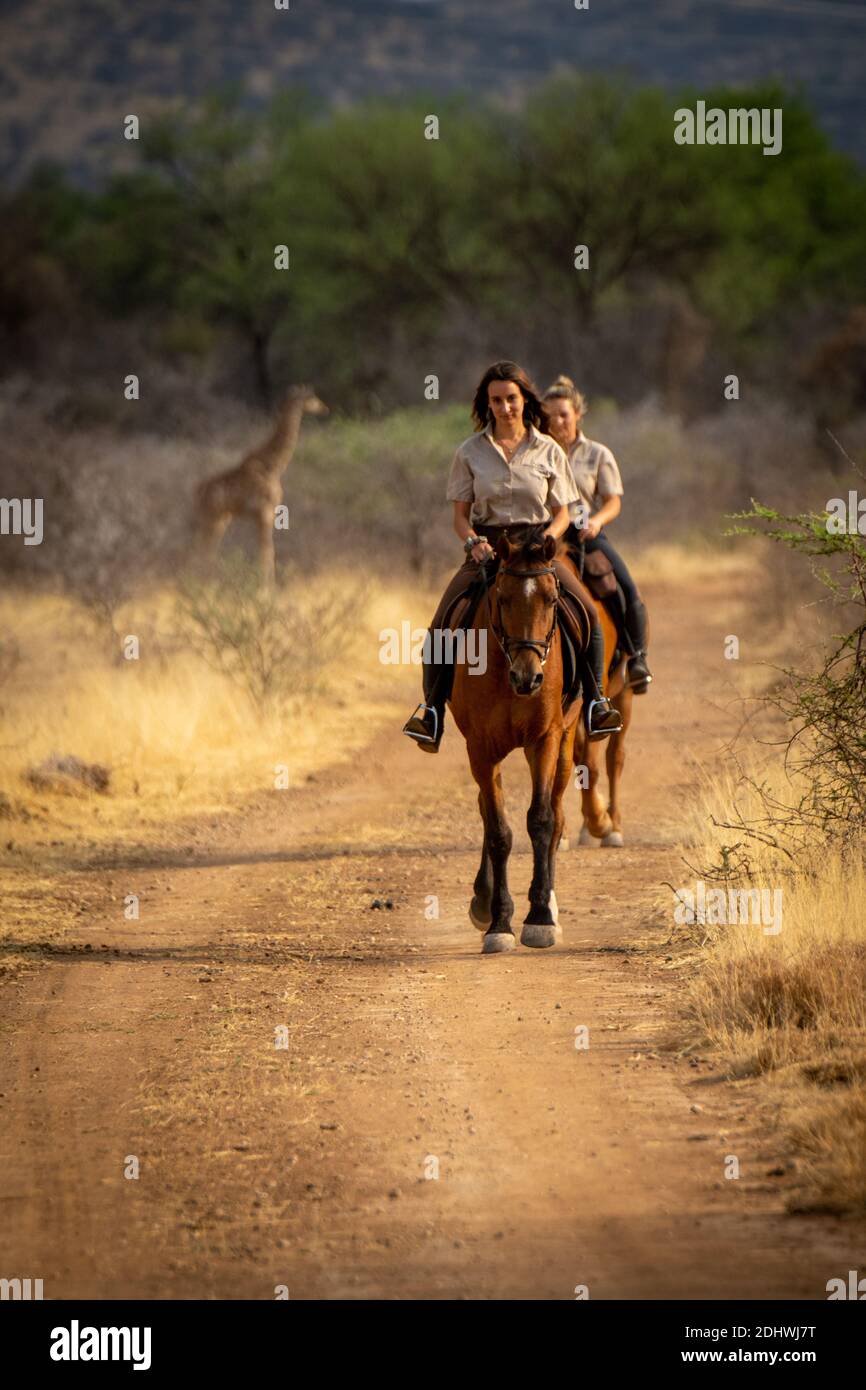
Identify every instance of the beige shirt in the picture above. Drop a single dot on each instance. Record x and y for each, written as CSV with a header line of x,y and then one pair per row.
x,y
528,489
596,474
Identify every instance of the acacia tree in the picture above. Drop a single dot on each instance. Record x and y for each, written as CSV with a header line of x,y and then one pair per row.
x,y
789,226
384,230
593,163
228,220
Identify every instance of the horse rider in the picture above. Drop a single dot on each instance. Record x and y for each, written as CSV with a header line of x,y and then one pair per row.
x,y
509,474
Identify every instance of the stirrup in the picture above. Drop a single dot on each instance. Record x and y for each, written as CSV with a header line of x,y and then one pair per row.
x,y
594,735
423,738
639,686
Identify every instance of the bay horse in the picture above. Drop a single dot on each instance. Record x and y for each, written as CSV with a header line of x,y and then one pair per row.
x,y
517,703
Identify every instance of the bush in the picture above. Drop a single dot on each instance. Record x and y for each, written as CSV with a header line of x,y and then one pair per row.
x,y
823,709
264,641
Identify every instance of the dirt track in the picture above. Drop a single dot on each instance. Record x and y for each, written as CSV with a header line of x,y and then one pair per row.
x,y
305,1166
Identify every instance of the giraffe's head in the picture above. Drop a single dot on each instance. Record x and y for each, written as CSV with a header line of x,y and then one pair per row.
x,y
305,397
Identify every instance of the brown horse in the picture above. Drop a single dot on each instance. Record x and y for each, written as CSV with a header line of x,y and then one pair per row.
x,y
517,703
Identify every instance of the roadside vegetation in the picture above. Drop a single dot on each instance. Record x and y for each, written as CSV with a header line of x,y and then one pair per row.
x,y
790,1006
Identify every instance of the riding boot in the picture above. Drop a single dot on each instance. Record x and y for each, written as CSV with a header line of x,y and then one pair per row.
x,y
639,674
428,726
599,715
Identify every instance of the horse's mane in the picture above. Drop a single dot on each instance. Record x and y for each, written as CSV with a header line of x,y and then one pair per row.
x,y
529,541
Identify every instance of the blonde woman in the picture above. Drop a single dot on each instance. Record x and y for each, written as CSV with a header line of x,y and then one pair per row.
x,y
506,476
597,477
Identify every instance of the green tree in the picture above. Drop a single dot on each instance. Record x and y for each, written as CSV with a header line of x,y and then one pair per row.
x,y
593,162
386,230
789,227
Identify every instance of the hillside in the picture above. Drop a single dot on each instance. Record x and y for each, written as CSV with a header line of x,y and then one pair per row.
x,y
68,75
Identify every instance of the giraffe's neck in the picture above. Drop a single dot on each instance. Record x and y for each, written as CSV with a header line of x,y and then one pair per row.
x,y
281,445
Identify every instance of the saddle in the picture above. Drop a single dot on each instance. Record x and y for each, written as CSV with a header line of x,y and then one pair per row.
x,y
598,575
464,607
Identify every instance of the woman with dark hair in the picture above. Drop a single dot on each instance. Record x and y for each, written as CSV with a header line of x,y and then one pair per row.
x,y
597,477
506,476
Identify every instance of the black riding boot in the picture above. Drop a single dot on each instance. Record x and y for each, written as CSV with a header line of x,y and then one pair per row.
x,y
639,674
427,726
599,715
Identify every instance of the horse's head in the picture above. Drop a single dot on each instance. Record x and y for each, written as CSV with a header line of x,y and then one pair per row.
x,y
523,605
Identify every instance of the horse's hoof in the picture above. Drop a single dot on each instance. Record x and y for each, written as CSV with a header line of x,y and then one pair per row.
x,y
613,840
496,941
537,934
479,923
586,840
564,843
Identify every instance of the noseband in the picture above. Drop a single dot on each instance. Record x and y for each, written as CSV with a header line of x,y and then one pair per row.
x,y
510,645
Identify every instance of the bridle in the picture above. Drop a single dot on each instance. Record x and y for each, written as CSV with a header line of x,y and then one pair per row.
x,y
510,645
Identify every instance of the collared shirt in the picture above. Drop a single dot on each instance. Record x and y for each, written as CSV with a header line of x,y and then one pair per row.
x,y
596,474
526,489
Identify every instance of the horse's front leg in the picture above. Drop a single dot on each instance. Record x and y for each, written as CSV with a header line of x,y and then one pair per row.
x,y
540,924
498,936
482,889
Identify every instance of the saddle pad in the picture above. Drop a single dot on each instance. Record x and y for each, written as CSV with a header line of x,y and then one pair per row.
x,y
570,612
464,606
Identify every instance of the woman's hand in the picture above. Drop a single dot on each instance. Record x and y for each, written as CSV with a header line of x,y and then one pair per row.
x,y
481,552
590,530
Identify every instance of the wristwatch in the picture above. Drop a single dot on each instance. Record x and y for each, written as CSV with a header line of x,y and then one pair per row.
x,y
470,543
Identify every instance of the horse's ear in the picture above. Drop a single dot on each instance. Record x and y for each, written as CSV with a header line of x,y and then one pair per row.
x,y
504,548
550,547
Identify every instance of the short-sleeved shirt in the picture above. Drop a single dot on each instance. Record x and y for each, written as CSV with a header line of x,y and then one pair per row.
x,y
527,489
596,474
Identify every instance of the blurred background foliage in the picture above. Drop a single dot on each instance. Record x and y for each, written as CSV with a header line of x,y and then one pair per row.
x,y
412,258
438,253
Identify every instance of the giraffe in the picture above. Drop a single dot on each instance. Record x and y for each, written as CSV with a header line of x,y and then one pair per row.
x,y
254,487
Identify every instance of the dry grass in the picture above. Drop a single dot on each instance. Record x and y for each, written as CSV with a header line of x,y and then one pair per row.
x,y
179,738
181,741
791,1008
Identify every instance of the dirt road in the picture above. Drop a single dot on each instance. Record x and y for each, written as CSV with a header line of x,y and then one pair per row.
x,y
429,1129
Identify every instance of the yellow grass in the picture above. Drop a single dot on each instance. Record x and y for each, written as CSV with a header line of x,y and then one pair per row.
x,y
791,1007
178,737
670,561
